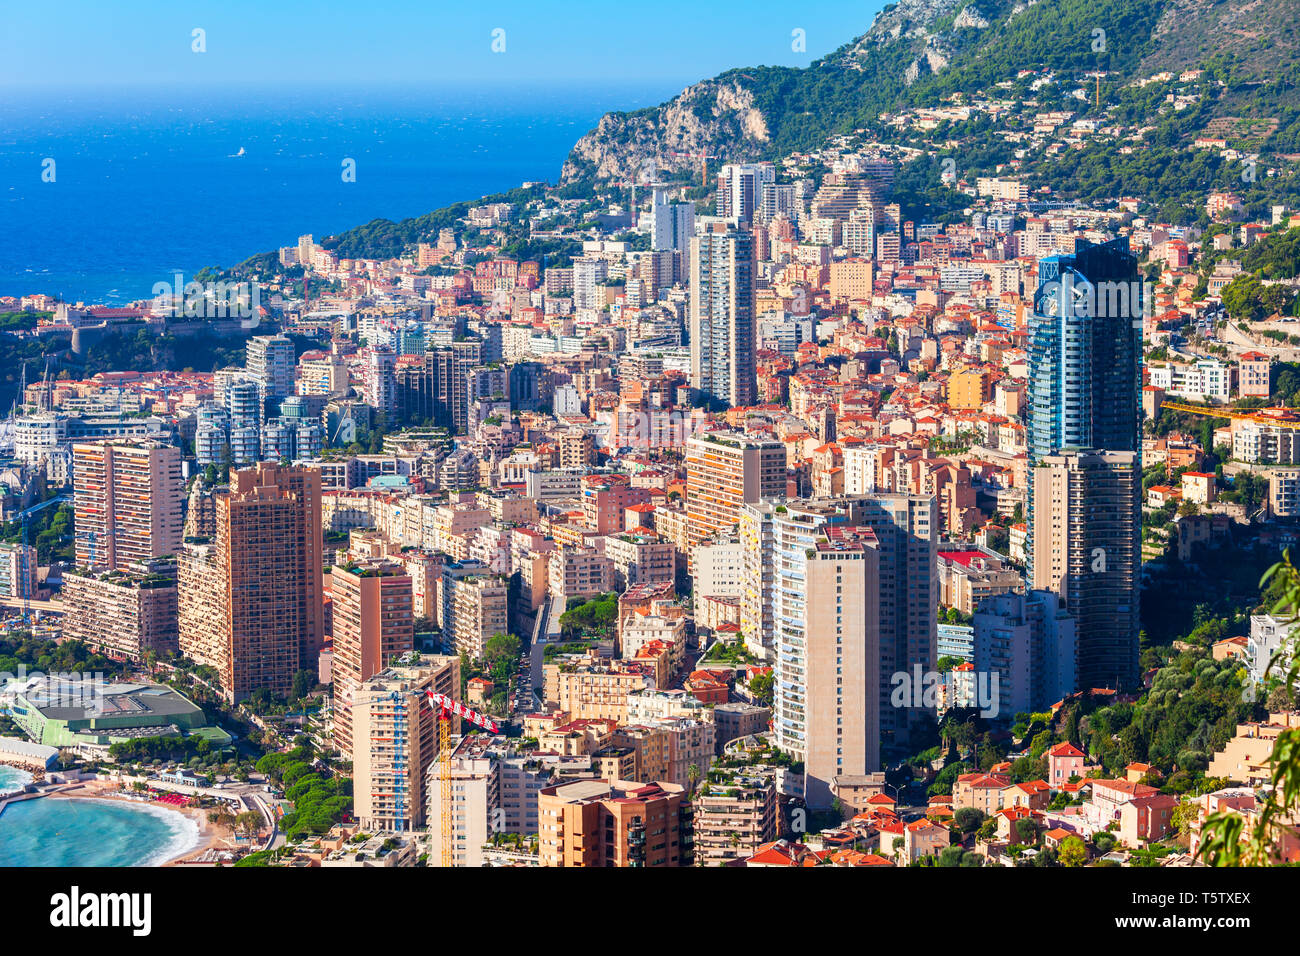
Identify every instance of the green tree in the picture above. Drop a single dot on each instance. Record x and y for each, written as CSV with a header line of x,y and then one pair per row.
x,y
1224,840
762,686
1072,852
968,819
502,655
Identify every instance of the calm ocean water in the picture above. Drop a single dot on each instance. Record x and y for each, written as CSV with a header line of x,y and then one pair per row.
x,y
146,184
72,832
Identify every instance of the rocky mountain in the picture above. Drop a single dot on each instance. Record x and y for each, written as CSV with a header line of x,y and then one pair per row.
x,y
917,51
715,114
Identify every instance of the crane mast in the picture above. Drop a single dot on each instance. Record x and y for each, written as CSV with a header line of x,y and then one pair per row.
x,y
447,709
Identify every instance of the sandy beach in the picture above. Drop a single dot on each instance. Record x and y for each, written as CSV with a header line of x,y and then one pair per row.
x,y
209,837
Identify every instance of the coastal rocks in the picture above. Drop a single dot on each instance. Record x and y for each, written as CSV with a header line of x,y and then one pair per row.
x,y
719,116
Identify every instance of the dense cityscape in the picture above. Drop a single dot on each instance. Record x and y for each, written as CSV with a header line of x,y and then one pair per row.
x,y
882,501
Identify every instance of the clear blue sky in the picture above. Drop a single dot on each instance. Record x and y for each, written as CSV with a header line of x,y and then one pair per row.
x,y
419,42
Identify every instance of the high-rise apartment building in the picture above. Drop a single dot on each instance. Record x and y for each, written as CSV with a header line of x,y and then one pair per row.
x,y
905,530
671,224
395,740
1085,346
589,277
416,388
372,622
725,470
757,575
269,359
777,200
1086,520
722,323
124,614
323,374
380,375
826,595
17,570
475,802
454,362
246,412
127,497
251,602
1028,640
475,607
740,189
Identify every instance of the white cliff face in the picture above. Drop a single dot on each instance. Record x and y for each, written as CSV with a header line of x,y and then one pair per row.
x,y
936,59
625,145
970,17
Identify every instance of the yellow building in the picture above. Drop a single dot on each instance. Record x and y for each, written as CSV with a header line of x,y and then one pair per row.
x,y
969,388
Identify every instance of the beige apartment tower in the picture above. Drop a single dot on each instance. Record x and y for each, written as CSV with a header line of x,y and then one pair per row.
x,y
127,497
853,591
251,601
372,623
395,740
725,470
722,322
1086,537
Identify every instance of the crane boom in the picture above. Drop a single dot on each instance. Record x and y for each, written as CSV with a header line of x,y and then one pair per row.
x,y
1239,414
447,709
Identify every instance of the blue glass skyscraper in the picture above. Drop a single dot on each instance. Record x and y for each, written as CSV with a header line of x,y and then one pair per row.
x,y
1085,347
1084,521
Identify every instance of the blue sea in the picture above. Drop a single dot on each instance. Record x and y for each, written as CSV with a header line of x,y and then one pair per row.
x,y
73,832
149,183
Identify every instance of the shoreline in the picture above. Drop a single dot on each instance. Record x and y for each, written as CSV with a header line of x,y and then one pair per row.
x,y
201,837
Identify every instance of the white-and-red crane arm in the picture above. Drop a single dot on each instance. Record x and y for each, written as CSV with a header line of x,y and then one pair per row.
x,y
448,706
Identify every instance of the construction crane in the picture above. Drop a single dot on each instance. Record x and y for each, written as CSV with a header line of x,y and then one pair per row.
x,y
704,158
24,568
1260,416
623,184
447,709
